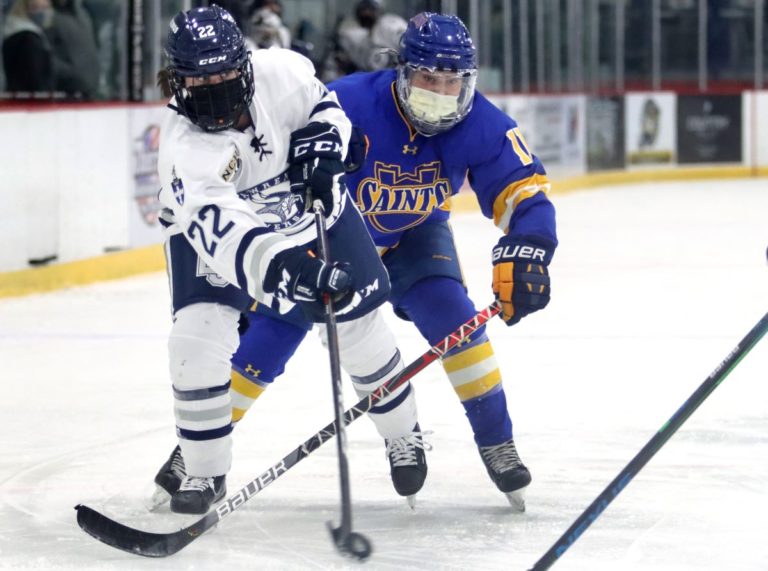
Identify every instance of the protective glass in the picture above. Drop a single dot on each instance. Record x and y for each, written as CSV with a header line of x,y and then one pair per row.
x,y
435,100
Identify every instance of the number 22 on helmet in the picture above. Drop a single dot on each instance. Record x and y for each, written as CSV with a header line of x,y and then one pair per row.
x,y
209,68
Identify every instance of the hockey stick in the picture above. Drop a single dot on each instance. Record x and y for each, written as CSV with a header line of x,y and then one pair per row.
x,y
151,544
346,541
597,507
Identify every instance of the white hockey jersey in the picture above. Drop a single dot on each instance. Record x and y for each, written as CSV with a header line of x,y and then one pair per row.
x,y
228,191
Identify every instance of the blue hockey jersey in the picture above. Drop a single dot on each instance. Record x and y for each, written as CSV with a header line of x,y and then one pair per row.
x,y
408,178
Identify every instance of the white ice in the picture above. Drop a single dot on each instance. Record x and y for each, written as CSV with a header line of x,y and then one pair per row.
x,y
653,285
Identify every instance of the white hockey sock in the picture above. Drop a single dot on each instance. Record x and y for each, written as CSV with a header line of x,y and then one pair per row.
x,y
370,356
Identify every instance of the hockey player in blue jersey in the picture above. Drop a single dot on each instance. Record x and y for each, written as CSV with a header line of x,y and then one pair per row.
x,y
426,128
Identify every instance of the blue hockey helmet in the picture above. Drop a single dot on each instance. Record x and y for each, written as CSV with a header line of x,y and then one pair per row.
x,y
437,72
206,44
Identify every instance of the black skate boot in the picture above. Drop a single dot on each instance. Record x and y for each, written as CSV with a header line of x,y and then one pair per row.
x,y
408,463
197,495
168,478
507,471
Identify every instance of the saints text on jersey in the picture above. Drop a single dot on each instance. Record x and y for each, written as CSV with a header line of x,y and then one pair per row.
x,y
393,200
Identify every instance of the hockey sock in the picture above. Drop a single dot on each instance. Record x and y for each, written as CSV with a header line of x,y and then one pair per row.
x,y
395,415
370,357
200,346
437,305
265,348
475,376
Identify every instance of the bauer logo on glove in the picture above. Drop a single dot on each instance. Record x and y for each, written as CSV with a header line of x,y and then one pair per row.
x,y
520,277
518,251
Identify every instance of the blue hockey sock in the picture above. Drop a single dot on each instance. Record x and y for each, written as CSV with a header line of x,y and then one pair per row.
x,y
437,306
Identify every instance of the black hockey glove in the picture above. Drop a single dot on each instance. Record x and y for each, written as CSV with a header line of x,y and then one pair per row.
x,y
356,150
314,158
520,275
298,276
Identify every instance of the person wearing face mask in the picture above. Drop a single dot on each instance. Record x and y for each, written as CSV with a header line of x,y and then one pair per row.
x,y
27,57
250,142
426,128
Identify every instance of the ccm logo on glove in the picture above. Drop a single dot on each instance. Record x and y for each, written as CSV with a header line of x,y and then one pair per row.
x,y
314,160
317,148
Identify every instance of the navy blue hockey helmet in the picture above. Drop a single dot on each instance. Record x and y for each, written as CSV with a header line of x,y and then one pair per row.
x,y
436,45
205,43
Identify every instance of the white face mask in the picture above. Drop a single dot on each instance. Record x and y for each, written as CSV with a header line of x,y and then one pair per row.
x,y
430,106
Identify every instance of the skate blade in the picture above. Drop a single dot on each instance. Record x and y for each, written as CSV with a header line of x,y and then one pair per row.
x,y
411,501
159,498
516,499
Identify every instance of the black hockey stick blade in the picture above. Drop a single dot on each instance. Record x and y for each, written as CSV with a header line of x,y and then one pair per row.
x,y
139,542
352,544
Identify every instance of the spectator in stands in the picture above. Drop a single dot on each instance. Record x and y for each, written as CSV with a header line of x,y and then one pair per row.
x,y
106,16
266,25
240,10
27,57
76,58
365,41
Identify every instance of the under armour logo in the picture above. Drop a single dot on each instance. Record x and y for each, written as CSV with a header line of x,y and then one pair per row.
x,y
251,371
407,150
260,146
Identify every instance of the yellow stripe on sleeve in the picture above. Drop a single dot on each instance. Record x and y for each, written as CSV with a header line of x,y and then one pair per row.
x,y
514,194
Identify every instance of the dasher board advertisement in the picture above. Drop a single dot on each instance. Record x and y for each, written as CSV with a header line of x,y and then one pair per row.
x,y
143,205
559,136
553,126
605,133
650,128
709,129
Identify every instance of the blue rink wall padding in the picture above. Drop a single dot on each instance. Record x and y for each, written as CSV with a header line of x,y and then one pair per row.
x,y
148,259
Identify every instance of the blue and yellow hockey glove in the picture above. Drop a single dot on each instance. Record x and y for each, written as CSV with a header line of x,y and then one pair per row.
x,y
520,276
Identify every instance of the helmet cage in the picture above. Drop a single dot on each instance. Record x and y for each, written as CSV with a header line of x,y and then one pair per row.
x,y
214,106
430,126
204,43
435,43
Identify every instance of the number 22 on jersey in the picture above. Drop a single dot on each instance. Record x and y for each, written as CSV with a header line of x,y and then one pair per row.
x,y
209,228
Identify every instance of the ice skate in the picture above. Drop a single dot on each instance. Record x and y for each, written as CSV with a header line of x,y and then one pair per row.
x,y
168,479
408,463
197,495
507,471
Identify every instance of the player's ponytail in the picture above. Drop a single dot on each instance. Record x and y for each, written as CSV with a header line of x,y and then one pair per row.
x,y
164,82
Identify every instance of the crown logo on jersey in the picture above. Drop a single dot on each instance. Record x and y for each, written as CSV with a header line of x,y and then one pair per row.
x,y
260,146
393,200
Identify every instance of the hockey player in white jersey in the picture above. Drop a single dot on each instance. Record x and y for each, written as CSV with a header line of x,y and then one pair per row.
x,y
242,130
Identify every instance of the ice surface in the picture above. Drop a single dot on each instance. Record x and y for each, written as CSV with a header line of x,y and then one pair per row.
x,y
653,285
